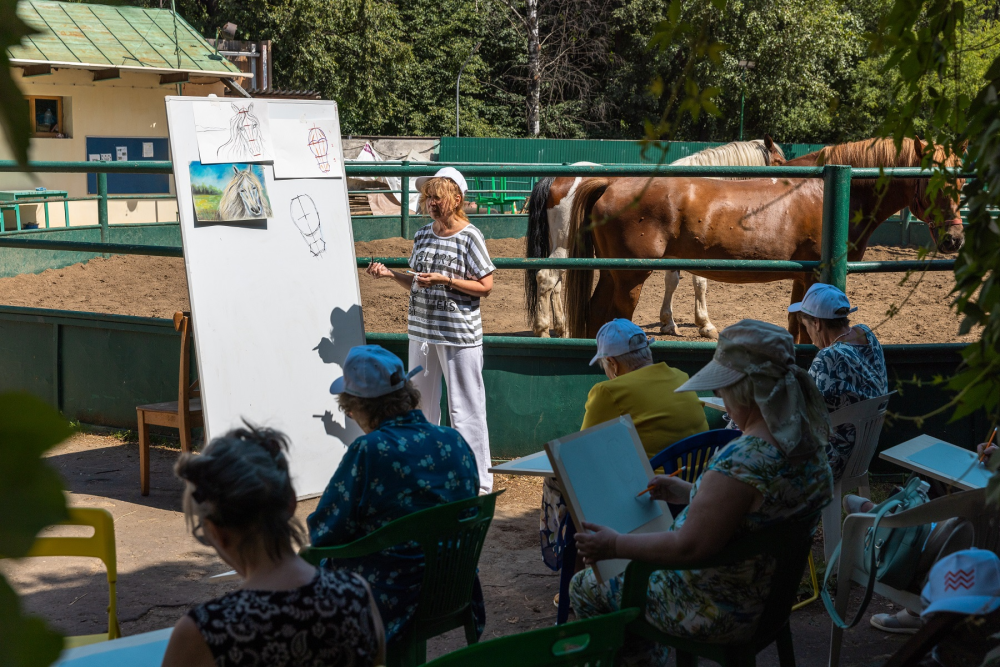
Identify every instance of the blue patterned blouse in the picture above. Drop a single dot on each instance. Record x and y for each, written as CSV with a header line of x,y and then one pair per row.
x,y
847,373
405,465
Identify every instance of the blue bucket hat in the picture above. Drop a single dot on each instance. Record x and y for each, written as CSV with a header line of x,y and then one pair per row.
x,y
371,371
618,337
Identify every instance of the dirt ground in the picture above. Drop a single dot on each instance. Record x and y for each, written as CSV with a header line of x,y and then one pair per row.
x,y
157,287
162,570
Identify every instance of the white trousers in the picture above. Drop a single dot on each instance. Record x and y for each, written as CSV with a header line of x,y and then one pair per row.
x,y
462,369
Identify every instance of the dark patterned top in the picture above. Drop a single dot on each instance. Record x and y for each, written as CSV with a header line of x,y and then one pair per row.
x,y
405,465
326,623
846,373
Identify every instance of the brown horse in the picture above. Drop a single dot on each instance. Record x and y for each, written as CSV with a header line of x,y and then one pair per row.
x,y
769,218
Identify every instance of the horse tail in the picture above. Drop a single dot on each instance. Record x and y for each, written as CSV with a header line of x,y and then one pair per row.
x,y
580,282
537,240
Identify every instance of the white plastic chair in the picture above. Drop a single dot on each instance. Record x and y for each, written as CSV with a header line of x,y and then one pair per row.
x,y
867,417
969,505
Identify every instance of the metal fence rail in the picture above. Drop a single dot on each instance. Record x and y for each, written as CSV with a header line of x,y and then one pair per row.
x,y
832,266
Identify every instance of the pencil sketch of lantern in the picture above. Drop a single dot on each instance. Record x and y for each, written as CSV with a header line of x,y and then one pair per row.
x,y
306,219
319,147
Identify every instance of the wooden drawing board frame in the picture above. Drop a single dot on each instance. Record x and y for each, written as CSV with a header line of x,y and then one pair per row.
x,y
556,449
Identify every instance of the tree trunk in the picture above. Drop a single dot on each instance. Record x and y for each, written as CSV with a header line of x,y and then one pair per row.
x,y
534,69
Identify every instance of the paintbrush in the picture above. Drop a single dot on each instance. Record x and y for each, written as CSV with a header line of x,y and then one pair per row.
x,y
651,486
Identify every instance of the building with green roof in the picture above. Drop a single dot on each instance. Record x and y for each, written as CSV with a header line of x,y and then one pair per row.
x,y
96,77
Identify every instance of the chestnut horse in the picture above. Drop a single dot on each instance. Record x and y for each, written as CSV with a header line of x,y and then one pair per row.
x,y
549,208
762,218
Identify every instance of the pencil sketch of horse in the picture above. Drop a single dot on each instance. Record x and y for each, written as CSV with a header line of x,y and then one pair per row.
x,y
244,198
245,139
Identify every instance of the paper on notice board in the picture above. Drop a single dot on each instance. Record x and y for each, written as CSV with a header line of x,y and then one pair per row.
x,y
305,148
121,153
232,131
147,149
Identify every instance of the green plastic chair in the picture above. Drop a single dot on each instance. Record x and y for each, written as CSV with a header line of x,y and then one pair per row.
x,y
451,537
593,642
487,194
789,543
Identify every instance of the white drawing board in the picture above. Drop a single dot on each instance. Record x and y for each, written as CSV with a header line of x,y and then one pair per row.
x,y
601,470
275,303
941,460
532,465
232,130
303,149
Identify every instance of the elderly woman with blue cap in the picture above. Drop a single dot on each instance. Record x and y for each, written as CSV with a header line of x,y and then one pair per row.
x,y
775,471
849,366
451,272
401,464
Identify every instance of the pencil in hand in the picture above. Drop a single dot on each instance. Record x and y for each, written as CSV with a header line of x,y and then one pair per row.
x,y
653,486
982,457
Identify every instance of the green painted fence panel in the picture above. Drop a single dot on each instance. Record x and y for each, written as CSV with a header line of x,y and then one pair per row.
x,y
28,356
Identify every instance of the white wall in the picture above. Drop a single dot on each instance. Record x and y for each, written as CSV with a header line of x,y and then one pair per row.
x,y
131,106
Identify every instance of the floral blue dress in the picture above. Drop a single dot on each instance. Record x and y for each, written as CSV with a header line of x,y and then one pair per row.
x,y
846,373
721,604
405,465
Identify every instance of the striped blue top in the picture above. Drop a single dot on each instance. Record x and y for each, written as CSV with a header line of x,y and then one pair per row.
x,y
439,314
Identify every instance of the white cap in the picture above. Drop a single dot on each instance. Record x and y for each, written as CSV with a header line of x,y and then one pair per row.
x,y
823,301
619,337
445,172
965,582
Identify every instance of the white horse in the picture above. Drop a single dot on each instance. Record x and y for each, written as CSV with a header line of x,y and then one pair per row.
x,y
549,211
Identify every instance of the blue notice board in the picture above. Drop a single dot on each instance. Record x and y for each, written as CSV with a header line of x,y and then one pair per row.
x,y
132,148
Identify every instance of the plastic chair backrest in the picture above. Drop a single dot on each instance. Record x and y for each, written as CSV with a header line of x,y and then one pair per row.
x,y
99,545
867,416
451,537
693,452
593,642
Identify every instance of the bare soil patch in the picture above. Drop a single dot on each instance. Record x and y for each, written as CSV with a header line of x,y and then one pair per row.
x,y
157,287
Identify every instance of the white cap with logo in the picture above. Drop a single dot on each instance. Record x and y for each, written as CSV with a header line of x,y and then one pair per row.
x,y
823,301
618,337
445,172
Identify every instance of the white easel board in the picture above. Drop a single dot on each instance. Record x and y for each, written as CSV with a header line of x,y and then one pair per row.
x,y
601,470
940,460
275,300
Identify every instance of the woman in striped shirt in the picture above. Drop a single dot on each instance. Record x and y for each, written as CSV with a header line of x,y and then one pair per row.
x,y
451,272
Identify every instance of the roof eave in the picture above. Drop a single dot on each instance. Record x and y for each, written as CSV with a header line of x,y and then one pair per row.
x,y
225,74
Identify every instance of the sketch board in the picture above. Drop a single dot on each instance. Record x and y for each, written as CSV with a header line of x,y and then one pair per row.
x,y
602,469
535,465
275,302
951,461
145,650
231,130
302,148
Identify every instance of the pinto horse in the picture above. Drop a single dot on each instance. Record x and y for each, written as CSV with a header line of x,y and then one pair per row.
x,y
769,218
549,208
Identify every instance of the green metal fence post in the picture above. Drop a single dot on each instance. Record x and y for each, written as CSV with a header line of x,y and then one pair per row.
x,y
102,206
404,204
836,221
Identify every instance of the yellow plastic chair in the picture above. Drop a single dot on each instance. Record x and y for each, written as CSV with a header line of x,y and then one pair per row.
x,y
99,545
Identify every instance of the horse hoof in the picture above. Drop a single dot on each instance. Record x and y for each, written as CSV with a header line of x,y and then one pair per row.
x,y
542,334
562,334
669,331
710,333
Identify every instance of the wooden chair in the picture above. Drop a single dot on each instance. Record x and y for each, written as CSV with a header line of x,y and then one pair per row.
x,y
183,414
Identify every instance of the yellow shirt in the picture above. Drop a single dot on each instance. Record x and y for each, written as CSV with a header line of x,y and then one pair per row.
x,y
661,417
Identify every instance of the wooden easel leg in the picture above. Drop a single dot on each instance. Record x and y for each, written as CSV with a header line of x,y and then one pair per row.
x,y
143,456
185,429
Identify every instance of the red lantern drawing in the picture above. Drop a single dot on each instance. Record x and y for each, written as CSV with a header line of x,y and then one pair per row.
x,y
319,147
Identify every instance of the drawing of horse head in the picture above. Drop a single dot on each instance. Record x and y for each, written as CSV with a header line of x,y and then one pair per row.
x,y
245,140
244,198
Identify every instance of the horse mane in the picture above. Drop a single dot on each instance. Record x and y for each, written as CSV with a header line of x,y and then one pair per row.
x,y
736,153
870,153
231,205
